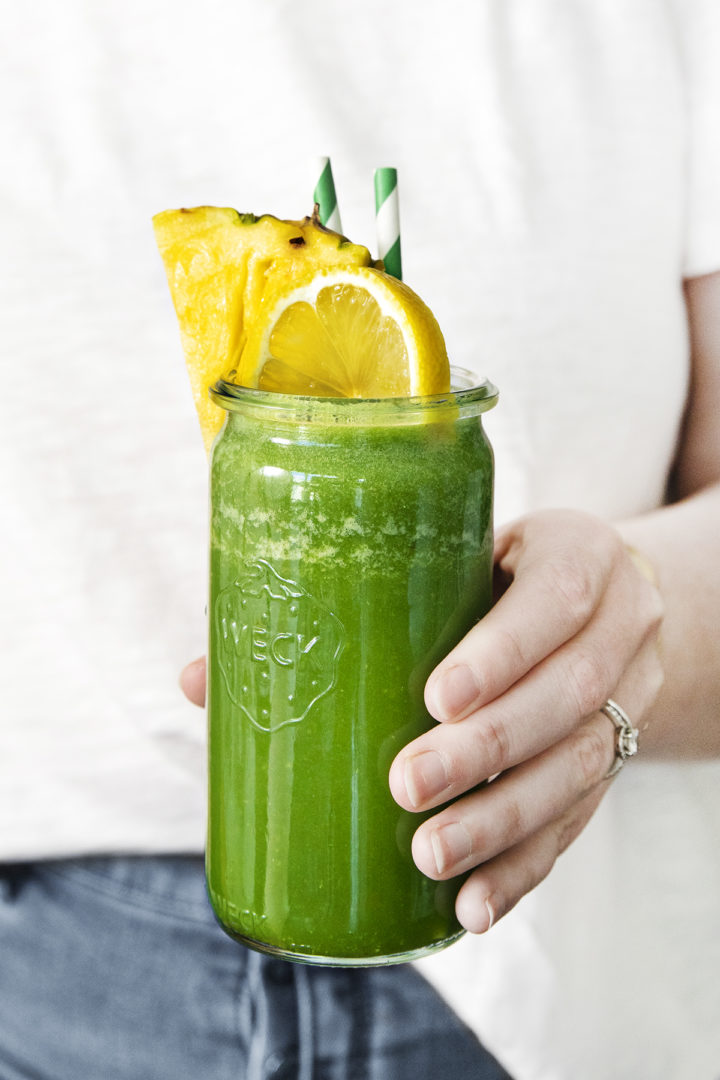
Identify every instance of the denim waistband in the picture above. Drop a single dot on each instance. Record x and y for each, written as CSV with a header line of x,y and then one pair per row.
x,y
166,883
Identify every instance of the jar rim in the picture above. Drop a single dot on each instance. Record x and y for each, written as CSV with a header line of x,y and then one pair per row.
x,y
467,393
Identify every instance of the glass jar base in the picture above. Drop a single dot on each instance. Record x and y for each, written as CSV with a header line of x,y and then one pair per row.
x,y
405,957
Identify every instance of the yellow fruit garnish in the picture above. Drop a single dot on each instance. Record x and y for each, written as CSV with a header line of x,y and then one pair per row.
x,y
223,269
350,332
292,307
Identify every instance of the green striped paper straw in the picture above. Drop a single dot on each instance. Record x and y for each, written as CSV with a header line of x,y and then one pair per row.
x,y
387,220
324,195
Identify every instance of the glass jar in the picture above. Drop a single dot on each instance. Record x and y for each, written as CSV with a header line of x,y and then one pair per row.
x,y
350,550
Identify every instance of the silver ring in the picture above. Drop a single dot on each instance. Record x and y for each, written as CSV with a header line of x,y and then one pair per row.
x,y
626,736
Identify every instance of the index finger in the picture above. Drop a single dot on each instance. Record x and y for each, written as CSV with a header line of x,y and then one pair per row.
x,y
553,595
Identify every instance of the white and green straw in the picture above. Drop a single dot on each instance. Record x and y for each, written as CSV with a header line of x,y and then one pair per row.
x,y
387,220
325,197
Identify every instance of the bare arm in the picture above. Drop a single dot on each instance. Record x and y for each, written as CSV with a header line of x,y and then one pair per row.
x,y
683,543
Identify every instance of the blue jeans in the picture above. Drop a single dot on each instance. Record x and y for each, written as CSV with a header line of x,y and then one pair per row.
x,y
114,969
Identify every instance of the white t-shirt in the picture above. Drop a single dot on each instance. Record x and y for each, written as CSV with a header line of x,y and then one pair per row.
x,y
559,170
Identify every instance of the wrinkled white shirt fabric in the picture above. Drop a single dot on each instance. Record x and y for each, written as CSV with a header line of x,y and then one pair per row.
x,y
559,174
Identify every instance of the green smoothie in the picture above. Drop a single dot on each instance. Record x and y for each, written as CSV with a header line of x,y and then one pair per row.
x,y
351,548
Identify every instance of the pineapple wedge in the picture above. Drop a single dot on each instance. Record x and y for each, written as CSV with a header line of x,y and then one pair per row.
x,y
225,268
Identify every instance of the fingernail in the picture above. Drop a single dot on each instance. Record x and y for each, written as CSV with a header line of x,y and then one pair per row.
x,y
451,844
425,776
491,913
454,691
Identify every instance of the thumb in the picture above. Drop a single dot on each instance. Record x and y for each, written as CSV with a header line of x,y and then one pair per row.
x,y
192,681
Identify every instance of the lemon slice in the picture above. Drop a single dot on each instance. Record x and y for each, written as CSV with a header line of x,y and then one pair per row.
x,y
350,332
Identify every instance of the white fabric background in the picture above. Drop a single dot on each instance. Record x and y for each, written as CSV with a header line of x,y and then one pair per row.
x,y
559,171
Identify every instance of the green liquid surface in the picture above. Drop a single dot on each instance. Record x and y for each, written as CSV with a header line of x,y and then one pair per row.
x,y
345,563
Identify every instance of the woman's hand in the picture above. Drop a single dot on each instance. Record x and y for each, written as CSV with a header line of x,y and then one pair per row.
x,y
519,696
